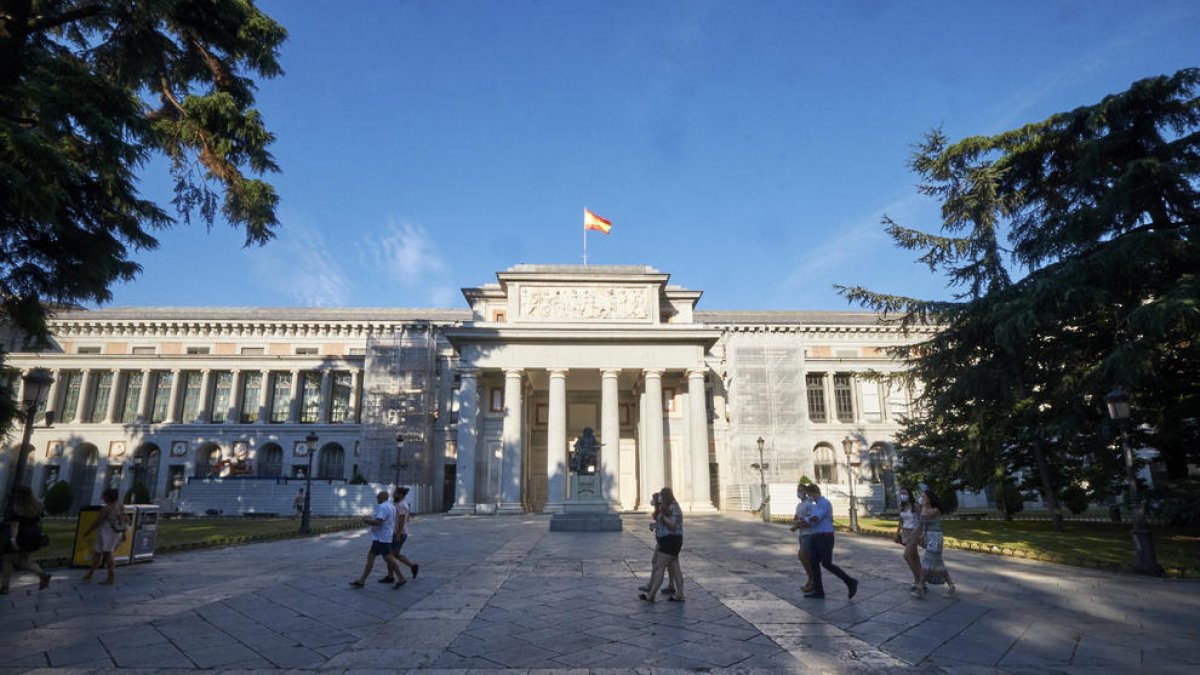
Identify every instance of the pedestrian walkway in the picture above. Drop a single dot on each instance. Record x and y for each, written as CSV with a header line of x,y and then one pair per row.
x,y
504,593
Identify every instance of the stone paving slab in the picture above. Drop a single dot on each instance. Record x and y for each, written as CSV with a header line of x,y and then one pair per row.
x,y
504,595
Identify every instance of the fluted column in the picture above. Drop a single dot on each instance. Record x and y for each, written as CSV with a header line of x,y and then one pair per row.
x,y
114,397
297,398
264,398
468,409
610,437
206,398
653,421
355,385
514,442
52,397
177,384
556,443
144,397
326,396
81,406
234,414
701,499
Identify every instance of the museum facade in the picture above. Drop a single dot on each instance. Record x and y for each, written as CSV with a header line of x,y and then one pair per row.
x,y
479,407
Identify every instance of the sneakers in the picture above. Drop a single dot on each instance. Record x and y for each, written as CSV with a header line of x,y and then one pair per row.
x,y
819,595
357,584
389,579
415,567
44,582
400,582
852,587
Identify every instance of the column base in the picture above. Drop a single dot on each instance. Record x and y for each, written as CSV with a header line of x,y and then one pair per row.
x,y
553,508
462,510
511,508
702,507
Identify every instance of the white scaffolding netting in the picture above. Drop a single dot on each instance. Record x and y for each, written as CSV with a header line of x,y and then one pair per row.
x,y
399,400
766,399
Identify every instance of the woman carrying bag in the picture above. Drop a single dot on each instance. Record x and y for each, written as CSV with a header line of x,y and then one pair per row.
x,y
24,536
109,527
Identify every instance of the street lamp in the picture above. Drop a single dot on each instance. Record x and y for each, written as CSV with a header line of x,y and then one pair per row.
x,y
1145,561
35,381
311,440
848,446
762,481
399,454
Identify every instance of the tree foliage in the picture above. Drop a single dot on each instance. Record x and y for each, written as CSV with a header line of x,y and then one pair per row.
x,y
89,91
1094,212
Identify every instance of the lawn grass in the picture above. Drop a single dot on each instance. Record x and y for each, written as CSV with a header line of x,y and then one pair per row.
x,y
1084,544
196,532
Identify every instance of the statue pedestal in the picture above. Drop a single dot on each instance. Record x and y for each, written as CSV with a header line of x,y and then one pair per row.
x,y
585,510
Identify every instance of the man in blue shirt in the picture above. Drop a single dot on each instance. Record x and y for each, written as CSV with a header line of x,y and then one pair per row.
x,y
820,527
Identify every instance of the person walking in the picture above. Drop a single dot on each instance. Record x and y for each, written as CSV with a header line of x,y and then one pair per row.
x,y
670,516
298,504
109,527
933,568
23,527
820,521
800,522
383,523
659,532
908,535
403,515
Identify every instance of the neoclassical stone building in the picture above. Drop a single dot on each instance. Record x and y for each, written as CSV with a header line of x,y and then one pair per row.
x,y
480,407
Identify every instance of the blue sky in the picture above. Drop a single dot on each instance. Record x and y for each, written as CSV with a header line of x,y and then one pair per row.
x,y
749,149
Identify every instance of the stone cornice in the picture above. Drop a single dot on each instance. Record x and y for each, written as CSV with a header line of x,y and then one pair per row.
x,y
83,327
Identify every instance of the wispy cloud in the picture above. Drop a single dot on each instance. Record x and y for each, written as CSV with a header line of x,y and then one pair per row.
x,y
405,253
300,265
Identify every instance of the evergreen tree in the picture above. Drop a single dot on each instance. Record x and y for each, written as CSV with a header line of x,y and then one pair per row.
x,y
1097,209
89,90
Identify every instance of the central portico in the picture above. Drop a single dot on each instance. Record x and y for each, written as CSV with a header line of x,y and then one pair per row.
x,y
554,349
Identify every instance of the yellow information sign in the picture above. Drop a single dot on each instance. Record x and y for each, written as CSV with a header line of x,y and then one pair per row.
x,y
81,555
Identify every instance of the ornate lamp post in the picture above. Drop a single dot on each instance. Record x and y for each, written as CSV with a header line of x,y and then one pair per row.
x,y
848,446
1145,561
762,466
399,455
35,381
305,516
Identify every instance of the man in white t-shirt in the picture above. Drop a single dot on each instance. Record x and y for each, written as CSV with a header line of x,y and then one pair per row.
x,y
403,515
382,523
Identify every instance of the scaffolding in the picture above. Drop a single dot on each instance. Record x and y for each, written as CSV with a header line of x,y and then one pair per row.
x,y
399,404
766,400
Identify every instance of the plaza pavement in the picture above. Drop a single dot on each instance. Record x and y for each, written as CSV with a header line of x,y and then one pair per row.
x,y
504,594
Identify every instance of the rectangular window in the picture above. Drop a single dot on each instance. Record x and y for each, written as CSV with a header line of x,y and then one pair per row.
x,y
281,397
816,397
197,350
104,388
251,392
307,351
253,351
339,411
192,381
133,392
222,393
163,381
142,350
71,382
87,350
843,397
310,410
357,351
496,399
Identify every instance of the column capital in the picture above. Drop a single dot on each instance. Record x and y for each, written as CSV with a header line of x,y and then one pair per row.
x,y
468,371
610,372
653,373
698,371
514,372
558,372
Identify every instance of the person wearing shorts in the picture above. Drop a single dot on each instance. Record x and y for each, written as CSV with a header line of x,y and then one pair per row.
x,y
800,522
383,523
403,515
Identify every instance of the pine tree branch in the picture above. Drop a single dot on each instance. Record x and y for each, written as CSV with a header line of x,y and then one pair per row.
x,y
41,23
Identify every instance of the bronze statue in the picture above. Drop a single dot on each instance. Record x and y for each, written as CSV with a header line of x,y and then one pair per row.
x,y
584,458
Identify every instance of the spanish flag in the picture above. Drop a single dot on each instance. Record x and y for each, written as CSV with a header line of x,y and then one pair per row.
x,y
592,221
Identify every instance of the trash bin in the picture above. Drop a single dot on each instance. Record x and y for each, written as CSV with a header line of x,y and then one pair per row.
x,y
145,532
81,551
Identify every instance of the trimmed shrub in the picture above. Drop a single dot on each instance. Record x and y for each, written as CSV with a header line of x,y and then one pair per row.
x,y
1177,503
358,479
59,498
1009,498
1075,498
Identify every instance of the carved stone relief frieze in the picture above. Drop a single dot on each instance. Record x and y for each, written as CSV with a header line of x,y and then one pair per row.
x,y
566,302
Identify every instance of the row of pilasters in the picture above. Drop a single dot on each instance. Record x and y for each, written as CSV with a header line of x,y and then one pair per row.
x,y
652,454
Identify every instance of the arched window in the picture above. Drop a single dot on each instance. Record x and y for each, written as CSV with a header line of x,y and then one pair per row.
x,y
84,460
824,464
332,462
145,467
270,461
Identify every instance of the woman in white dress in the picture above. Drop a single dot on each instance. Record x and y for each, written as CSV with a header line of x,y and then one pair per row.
x,y
109,527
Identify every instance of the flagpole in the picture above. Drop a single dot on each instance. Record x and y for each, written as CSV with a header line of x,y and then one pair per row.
x,y
585,239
